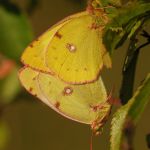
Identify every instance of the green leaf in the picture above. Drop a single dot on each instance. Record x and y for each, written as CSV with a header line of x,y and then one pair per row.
x,y
122,23
15,33
133,109
110,2
9,87
115,2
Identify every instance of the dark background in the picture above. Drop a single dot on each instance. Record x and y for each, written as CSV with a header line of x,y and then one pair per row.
x,y
34,126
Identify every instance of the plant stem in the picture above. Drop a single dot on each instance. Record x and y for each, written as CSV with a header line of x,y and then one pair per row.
x,y
128,75
128,131
126,91
129,67
129,72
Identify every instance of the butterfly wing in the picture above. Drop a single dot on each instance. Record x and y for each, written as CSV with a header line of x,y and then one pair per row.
x,y
28,78
76,56
76,102
52,53
34,54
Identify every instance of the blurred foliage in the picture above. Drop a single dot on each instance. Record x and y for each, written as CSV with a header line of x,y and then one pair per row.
x,y
132,110
120,3
6,66
9,87
15,33
4,135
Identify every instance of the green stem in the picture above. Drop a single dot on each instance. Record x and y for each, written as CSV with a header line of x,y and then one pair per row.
x,y
129,67
126,91
129,73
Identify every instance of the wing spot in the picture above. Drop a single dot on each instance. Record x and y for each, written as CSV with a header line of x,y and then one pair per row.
x,y
67,91
85,69
58,35
30,89
57,105
76,70
72,48
68,69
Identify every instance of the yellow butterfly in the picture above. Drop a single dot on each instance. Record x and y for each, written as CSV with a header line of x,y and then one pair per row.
x,y
83,103
72,50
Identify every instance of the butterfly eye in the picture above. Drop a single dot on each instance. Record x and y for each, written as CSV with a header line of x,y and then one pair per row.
x,y
67,91
71,47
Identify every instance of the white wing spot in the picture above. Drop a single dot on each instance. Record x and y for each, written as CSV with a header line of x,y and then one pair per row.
x,y
67,91
71,47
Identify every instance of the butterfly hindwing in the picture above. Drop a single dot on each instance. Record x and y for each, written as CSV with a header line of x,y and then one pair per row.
x,y
76,102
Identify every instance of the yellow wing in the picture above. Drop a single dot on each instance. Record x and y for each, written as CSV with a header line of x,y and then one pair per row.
x,y
77,56
76,102
28,79
34,54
